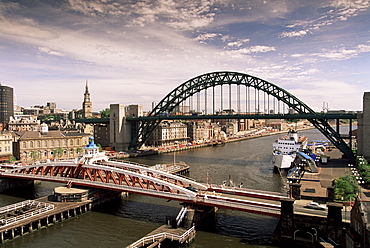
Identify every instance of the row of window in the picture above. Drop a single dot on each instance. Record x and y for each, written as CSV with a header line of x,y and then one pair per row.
x,y
6,149
50,154
50,143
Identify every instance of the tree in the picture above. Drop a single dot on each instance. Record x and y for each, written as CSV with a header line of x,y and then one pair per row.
x,y
79,150
346,188
35,155
11,159
105,113
100,147
58,152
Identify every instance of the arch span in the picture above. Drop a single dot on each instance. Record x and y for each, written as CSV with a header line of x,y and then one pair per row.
x,y
209,80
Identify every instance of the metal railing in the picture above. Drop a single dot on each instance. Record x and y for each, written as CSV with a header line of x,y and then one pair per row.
x,y
162,236
40,207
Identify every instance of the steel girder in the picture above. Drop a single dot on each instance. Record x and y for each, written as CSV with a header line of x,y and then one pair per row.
x,y
202,82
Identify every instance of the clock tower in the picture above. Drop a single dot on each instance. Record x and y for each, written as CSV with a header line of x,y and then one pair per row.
x,y
87,104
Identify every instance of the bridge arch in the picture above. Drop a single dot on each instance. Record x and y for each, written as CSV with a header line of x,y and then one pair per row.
x,y
209,80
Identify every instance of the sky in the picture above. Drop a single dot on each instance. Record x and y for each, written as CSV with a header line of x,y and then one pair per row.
x,y
137,51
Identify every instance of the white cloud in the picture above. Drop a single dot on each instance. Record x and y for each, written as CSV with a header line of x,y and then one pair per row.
x,y
238,43
49,51
182,15
339,10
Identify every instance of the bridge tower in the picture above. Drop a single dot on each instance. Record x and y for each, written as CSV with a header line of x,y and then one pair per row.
x,y
363,135
120,128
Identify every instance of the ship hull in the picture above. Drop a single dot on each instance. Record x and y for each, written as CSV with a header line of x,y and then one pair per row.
x,y
283,161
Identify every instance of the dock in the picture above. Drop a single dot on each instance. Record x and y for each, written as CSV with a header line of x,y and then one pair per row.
x,y
25,217
165,233
175,168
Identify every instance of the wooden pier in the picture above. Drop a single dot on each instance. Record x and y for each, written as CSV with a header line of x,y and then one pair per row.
x,y
34,220
165,233
31,215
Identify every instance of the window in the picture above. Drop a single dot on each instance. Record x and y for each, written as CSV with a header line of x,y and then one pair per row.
x,y
78,142
52,143
31,144
38,144
24,145
71,142
45,143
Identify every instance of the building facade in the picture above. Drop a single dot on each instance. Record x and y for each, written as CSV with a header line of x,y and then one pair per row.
x,y
168,134
358,235
363,135
30,146
6,146
6,103
24,123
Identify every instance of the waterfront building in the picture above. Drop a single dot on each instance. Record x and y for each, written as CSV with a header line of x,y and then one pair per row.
x,y
168,133
358,235
30,146
24,123
102,134
6,103
199,131
6,146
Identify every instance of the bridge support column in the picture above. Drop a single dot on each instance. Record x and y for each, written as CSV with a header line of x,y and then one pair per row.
x,y
10,183
330,193
295,190
286,218
196,214
335,224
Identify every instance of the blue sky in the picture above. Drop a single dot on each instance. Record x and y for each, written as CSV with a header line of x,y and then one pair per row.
x,y
135,52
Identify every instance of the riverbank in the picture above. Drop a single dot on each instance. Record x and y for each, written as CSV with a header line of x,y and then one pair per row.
x,y
159,150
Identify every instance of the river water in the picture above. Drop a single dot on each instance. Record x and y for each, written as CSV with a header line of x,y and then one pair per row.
x,y
123,222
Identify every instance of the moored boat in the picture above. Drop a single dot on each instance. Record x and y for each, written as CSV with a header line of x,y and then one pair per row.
x,y
285,149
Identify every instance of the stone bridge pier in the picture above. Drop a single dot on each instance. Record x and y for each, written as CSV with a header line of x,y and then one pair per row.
x,y
307,230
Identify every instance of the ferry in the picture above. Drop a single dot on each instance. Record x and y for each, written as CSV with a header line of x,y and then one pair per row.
x,y
285,149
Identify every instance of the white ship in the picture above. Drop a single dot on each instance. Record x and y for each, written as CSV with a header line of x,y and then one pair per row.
x,y
285,148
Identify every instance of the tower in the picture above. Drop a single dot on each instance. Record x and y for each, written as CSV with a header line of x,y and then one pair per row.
x,y
6,103
87,104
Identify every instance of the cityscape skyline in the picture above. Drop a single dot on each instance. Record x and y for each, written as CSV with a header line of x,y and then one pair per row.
x,y
135,52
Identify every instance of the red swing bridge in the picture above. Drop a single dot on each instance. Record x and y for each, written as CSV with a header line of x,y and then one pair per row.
x,y
95,170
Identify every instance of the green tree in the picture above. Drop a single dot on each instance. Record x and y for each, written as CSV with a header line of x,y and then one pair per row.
x,y
58,152
345,188
79,150
105,113
11,159
35,155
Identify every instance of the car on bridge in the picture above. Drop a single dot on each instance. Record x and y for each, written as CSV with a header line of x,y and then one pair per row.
x,y
315,205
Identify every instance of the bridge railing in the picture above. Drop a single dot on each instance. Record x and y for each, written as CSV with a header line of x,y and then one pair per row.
x,y
240,206
162,236
40,207
180,197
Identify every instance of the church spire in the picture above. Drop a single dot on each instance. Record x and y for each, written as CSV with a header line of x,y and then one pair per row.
x,y
87,104
87,94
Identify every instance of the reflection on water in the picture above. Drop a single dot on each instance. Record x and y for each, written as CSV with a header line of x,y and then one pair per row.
x,y
122,222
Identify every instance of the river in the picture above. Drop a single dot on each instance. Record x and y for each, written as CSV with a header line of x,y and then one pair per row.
x,y
123,222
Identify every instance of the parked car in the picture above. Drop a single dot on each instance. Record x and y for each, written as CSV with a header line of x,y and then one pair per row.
x,y
192,188
315,205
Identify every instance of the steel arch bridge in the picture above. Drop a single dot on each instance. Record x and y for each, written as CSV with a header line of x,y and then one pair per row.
x,y
213,79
